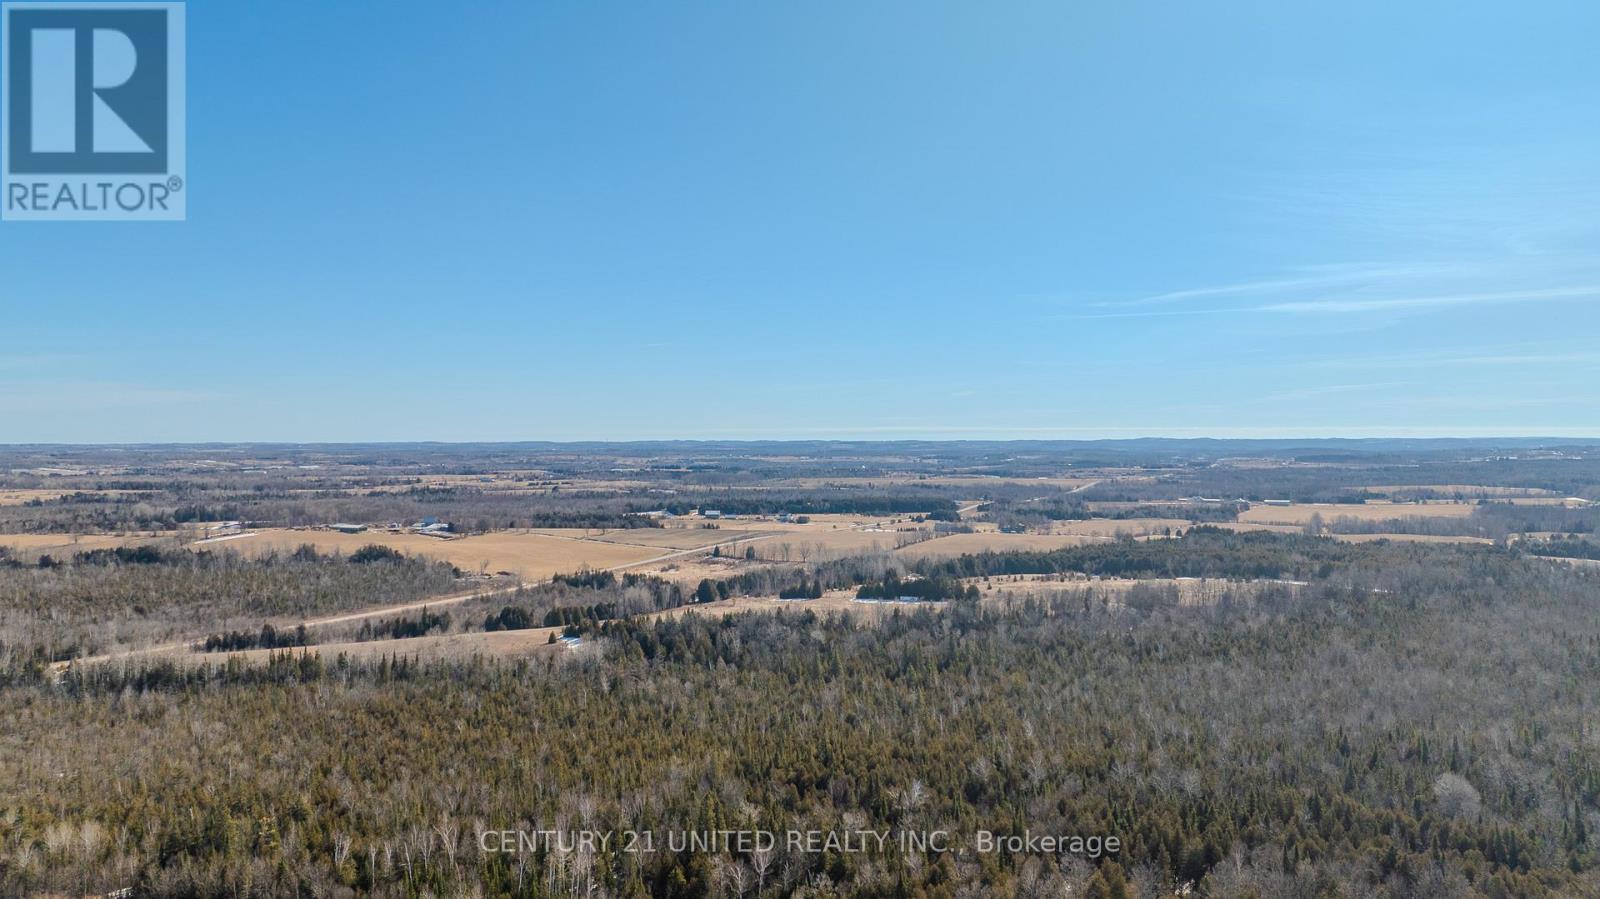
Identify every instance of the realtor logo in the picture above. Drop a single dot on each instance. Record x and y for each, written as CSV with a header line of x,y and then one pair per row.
x,y
93,121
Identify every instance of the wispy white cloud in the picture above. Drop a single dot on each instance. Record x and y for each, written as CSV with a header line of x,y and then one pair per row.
x,y
1308,279
1517,355
1331,389
1300,299
1550,295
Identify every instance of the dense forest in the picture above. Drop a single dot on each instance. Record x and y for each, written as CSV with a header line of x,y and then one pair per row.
x,y
1434,740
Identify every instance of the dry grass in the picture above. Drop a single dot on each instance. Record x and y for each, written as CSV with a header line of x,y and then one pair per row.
x,y
61,545
834,601
1239,526
1117,527
1301,513
818,545
691,570
531,556
18,497
658,538
972,544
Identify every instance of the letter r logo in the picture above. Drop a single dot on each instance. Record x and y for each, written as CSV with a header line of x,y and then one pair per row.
x,y
87,89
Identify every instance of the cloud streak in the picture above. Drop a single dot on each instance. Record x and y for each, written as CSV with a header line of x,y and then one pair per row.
x,y
1550,295
1315,278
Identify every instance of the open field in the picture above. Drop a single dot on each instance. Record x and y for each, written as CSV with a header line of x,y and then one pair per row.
x,y
1302,513
971,544
817,545
529,556
833,601
19,497
1116,527
658,538
1243,526
67,544
689,570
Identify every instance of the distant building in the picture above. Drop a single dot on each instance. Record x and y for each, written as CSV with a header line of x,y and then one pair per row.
x,y
349,528
711,513
1277,502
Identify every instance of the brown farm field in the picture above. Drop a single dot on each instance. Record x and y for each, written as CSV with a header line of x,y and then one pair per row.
x,y
531,556
655,538
18,497
67,544
1117,527
1302,513
971,544
1240,526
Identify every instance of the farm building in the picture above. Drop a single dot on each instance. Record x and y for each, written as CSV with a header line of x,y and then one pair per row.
x,y
349,528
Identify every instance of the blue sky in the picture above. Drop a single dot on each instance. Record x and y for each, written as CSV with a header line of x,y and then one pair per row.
x,y
564,220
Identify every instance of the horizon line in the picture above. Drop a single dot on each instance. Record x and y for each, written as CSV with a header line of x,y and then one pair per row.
x,y
1195,435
